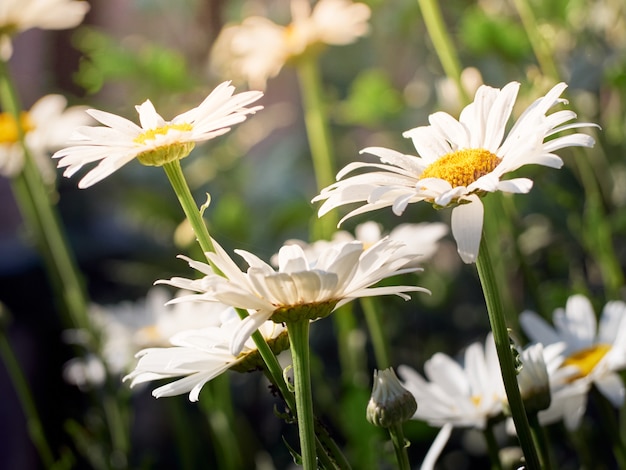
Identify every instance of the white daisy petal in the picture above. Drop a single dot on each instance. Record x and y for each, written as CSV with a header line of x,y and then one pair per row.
x,y
467,226
460,160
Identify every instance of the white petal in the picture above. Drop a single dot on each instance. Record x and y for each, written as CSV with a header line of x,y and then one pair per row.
x,y
437,447
247,327
467,226
516,185
612,387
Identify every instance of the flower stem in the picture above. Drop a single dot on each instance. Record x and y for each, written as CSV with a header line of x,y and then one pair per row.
x,y
399,445
443,44
609,422
505,356
298,331
32,197
541,443
492,447
33,422
375,327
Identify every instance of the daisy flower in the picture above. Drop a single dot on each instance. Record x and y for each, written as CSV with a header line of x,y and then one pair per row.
x,y
460,161
200,355
257,49
592,355
457,395
157,141
298,289
421,241
128,327
19,15
46,127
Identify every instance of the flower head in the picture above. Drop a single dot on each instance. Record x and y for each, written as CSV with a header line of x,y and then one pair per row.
x,y
592,355
257,49
420,240
157,141
390,402
459,161
200,355
19,15
46,127
298,289
127,327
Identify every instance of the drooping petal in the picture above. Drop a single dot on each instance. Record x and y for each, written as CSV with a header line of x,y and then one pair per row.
x,y
467,226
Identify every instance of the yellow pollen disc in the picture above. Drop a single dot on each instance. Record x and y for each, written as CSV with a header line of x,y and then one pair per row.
x,y
476,399
8,127
463,167
152,134
160,155
586,359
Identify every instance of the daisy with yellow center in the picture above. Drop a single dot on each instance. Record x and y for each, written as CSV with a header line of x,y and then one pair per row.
x,y
157,141
20,15
257,49
459,161
453,395
46,127
592,355
299,289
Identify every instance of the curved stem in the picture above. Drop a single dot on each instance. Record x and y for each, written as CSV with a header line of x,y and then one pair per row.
x,y
299,340
443,44
377,334
505,356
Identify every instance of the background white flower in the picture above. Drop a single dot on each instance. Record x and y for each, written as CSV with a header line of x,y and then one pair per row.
x,y
461,160
342,273
127,327
591,357
257,49
47,126
157,141
199,356
19,15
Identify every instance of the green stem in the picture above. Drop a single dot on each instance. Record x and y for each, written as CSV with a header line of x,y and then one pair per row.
x,y
32,197
505,356
492,447
299,340
540,46
377,334
399,445
541,441
443,44
33,422
610,426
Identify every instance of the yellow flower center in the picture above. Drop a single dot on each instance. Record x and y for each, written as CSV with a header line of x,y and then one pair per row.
x,y
463,167
9,131
586,359
476,399
160,155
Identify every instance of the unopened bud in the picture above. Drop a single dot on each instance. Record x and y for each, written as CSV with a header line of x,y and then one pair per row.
x,y
390,402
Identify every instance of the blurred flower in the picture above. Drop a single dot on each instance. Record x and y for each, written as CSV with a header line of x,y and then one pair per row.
x,y
457,395
591,356
257,49
201,355
460,161
126,328
533,378
157,141
19,15
420,240
46,127
390,402
298,289
447,90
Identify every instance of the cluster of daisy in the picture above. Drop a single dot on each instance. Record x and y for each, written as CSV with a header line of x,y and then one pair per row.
x,y
208,327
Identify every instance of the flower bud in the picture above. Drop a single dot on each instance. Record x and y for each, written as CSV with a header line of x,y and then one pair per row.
x,y
390,402
533,380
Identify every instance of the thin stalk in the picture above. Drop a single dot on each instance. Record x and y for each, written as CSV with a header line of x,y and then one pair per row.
x,y
492,447
375,327
298,331
399,446
610,426
39,213
33,421
539,435
443,44
505,356
541,47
